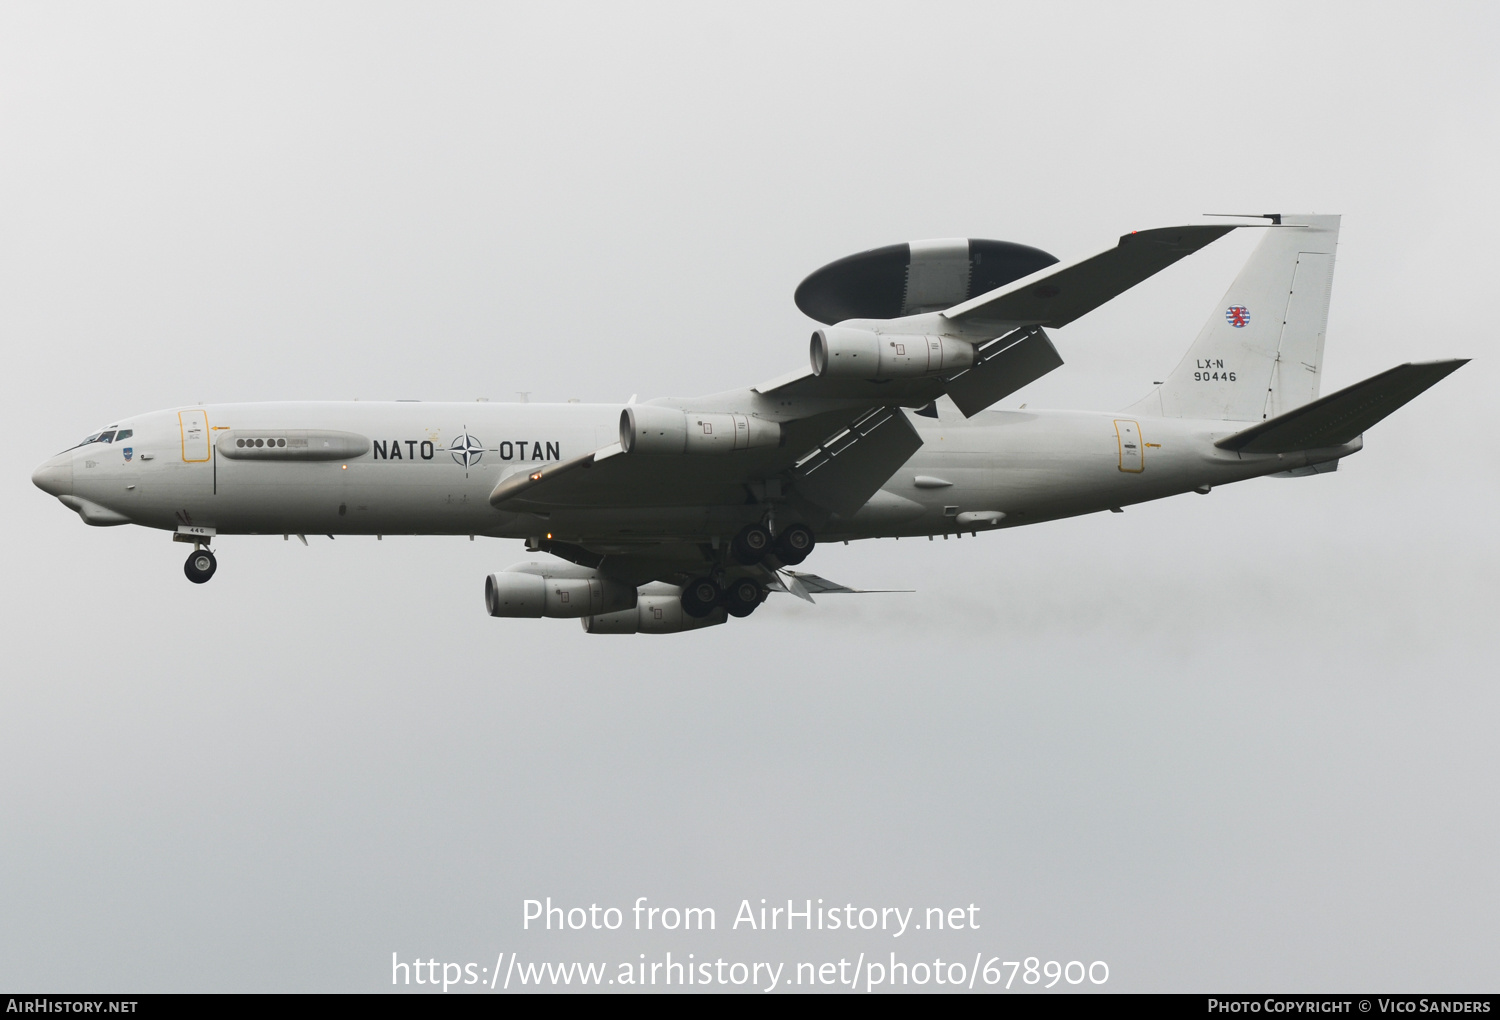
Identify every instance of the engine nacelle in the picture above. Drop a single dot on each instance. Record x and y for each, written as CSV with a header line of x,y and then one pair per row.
x,y
846,352
648,428
653,614
531,596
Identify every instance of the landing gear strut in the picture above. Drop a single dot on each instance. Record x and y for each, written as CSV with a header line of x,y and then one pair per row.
x,y
200,566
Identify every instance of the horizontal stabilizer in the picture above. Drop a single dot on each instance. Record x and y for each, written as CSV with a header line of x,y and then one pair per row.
x,y
1057,295
1339,417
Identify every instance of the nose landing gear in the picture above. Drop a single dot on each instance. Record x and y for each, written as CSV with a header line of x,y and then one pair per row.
x,y
200,566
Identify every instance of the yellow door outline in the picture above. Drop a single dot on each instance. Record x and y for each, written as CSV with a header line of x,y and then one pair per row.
x,y
207,438
1130,438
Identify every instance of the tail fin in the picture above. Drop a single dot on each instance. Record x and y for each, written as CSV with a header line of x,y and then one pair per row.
x,y
1261,352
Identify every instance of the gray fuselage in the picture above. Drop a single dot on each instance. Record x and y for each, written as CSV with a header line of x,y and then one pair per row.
x,y
1029,465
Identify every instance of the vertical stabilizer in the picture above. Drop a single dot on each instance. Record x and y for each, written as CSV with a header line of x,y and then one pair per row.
x,y
1261,352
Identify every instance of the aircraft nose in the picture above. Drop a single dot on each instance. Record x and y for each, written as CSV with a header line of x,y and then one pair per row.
x,y
55,477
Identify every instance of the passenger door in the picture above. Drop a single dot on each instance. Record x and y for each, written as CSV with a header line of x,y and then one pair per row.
x,y
194,428
1132,449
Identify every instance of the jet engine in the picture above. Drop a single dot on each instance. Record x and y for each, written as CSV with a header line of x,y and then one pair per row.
x,y
659,612
518,592
847,352
648,428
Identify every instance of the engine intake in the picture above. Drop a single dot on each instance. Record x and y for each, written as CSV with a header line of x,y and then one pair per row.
x,y
648,428
846,352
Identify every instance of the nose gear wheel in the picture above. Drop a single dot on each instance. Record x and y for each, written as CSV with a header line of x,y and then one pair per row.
x,y
200,566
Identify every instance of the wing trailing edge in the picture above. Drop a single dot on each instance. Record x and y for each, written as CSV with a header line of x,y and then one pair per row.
x,y
1003,366
846,469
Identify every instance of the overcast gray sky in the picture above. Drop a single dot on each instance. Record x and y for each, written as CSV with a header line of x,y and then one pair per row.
x,y
1236,742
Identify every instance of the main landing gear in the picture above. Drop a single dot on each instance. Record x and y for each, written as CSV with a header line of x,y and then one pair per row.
x,y
739,597
742,596
794,544
754,543
751,545
699,597
200,566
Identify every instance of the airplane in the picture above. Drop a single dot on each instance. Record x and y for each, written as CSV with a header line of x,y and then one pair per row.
x,y
677,514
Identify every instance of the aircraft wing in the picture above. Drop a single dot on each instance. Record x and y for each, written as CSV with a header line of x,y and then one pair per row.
x,y
1005,324
1001,366
842,438
836,459
610,477
1057,295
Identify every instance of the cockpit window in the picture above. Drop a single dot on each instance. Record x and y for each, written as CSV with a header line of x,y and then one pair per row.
x,y
94,438
107,436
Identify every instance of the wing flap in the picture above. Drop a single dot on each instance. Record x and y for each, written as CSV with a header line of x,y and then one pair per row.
x,y
1003,366
1340,417
848,468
